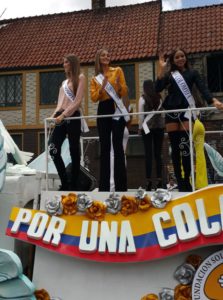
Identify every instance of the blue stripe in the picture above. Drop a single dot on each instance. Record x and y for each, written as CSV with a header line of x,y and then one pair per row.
x,y
141,241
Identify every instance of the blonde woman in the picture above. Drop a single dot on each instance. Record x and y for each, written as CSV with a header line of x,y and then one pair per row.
x,y
108,127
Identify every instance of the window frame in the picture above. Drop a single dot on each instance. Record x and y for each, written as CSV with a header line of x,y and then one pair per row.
x,y
20,105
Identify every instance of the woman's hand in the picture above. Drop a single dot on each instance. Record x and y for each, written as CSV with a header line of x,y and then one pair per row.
x,y
162,66
217,103
105,80
59,119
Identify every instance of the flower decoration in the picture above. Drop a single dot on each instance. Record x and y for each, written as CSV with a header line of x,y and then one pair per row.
x,y
54,207
96,211
69,203
183,292
185,274
42,295
140,193
145,203
113,203
83,202
129,205
194,260
160,198
166,294
150,297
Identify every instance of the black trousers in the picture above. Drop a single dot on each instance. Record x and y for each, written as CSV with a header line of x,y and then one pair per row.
x,y
106,127
71,129
153,142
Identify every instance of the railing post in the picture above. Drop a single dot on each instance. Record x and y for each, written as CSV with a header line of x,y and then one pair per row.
x,y
191,150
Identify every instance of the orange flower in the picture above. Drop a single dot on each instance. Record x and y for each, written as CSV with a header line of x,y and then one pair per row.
x,y
69,203
182,292
129,205
145,203
42,295
194,260
150,297
96,211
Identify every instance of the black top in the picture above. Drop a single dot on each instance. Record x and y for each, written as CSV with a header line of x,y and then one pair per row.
x,y
175,98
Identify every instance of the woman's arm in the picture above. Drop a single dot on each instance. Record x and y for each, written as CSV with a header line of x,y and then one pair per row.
x,y
162,77
96,90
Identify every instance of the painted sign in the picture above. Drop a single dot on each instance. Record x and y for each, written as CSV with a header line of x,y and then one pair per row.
x,y
189,222
208,280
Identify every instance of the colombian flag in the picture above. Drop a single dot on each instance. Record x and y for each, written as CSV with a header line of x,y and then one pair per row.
x,y
145,234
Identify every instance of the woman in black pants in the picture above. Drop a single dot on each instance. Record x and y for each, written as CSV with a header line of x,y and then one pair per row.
x,y
153,140
177,124
107,126
69,100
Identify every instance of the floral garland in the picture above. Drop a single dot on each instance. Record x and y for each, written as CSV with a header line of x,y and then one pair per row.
x,y
184,274
44,295
72,203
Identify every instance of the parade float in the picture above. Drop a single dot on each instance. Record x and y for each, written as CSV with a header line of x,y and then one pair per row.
x,y
123,245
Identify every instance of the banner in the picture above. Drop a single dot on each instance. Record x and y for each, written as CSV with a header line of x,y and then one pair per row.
x,y
192,221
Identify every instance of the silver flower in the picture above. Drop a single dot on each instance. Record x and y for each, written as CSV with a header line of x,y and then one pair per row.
x,y
83,202
185,273
166,294
54,207
160,198
140,193
113,203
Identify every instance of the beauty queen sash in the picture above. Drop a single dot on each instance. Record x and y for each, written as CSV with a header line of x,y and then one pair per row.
x,y
186,92
147,118
120,108
70,95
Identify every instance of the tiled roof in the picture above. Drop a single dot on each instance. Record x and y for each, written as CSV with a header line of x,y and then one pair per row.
x,y
194,30
129,32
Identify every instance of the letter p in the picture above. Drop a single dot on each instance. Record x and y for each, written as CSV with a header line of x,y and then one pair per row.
x,y
24,216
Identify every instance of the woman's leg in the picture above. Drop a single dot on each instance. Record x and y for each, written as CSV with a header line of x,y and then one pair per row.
x,y
74,132
104,130
56,140
120,175
148,149
158,135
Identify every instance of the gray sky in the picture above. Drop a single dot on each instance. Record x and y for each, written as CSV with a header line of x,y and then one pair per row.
x,y
25,8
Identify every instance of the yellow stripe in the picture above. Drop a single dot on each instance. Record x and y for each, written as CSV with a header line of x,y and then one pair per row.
x,y
141,222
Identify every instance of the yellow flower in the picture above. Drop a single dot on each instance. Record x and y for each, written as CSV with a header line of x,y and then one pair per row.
x,y
150,297
194,260
69,203
182,292
129,205
42,295
145,203
96,211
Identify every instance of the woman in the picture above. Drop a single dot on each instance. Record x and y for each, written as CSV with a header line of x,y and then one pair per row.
x,y
177,124
153,140
69,100
105,76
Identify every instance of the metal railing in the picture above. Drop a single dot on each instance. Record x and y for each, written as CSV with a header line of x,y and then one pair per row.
x,y
48,124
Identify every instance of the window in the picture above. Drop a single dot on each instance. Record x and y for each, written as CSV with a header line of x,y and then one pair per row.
x,y
215,73
10,90
50,83
18,139
129,71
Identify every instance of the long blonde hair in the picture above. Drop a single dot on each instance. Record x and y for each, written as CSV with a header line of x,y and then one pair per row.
x,y
74,70
98,67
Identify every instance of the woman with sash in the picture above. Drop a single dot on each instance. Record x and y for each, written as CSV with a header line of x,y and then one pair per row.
x,y
70,97
179,81
151,127
107,87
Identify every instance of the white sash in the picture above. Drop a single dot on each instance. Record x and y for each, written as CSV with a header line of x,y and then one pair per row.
x,y
186,92
149,117
120,109
70,95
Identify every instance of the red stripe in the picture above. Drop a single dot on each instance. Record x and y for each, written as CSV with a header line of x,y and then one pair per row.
x,y
142,254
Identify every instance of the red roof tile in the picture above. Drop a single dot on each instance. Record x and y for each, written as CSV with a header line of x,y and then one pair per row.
x,y
194,30
129,32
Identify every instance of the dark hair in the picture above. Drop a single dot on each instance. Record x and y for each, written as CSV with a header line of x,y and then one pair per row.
x,y
152,98
75,70
173,67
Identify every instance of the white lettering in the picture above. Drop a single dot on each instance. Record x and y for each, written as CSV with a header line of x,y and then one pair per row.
x,y
38,225
90,246
164,242
54,231
24,216
108,237
185,222
126,238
